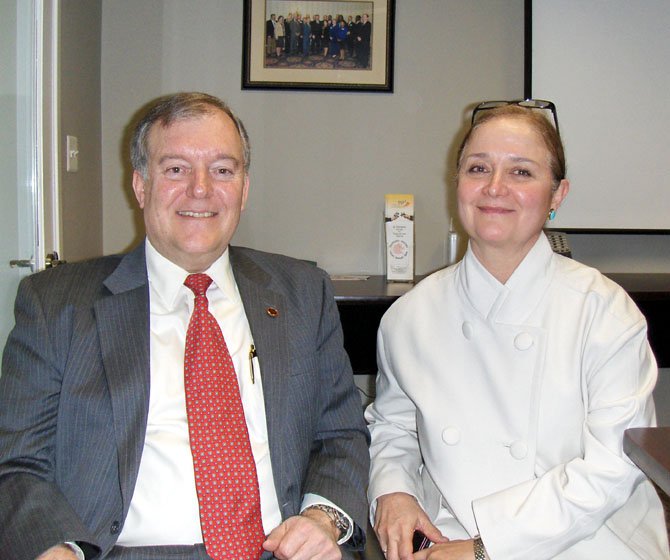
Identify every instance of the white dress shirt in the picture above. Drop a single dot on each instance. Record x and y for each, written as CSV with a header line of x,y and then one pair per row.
x,y
164,507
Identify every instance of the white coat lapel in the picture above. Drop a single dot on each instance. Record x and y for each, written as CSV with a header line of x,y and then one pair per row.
x,y
510,303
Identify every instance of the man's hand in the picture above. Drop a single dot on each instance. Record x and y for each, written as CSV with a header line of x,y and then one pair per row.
x,y
311,535
58,552
397,516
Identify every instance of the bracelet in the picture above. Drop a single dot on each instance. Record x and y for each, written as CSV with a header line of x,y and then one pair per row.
x,y
480,551
337,518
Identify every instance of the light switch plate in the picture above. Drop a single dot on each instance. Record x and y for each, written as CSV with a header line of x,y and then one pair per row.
x,y
72,154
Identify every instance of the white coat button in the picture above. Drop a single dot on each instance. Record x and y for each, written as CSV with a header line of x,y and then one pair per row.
x,y
518,450
467,330
523,341
451,435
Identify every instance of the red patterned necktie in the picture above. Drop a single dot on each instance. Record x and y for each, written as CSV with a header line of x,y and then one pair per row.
x,y
225,472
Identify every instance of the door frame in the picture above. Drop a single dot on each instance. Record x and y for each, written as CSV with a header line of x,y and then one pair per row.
x,y
47,143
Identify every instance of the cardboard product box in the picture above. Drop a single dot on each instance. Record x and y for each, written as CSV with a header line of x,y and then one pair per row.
x,y
399,230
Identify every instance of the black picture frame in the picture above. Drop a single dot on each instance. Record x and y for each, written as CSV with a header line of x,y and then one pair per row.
x,y
263,68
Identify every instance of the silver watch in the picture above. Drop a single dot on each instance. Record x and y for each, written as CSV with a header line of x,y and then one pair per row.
x,y
336,516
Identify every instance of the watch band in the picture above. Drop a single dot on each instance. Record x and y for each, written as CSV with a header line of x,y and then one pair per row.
x,y
480,551
336,516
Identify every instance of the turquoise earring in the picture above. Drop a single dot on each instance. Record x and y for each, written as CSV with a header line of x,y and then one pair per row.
x,y
552,214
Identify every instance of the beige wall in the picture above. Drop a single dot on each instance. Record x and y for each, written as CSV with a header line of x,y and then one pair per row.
x,y
322,161
79,104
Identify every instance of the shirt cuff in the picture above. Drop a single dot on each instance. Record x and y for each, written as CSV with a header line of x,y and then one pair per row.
x,y
75,548
313,499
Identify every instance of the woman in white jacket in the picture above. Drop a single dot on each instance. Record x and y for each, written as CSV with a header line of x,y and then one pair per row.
x,y
507,380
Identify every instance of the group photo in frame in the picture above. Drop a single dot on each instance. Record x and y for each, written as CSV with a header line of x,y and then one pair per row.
x,y
318,44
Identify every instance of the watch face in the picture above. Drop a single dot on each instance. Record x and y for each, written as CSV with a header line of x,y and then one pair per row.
x,y
341,522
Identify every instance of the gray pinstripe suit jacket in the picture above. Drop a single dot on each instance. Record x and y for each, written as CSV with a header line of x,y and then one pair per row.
x,y
75,388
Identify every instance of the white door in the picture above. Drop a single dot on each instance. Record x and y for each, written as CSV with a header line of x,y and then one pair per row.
x,y
26,145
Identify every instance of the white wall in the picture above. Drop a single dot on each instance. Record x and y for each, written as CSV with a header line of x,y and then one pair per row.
x,y
321,161
604,63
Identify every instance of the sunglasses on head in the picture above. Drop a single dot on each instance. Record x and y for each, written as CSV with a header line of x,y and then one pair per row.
x,y
525,103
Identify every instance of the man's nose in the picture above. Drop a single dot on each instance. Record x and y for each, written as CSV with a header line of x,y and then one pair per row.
x,y
201,185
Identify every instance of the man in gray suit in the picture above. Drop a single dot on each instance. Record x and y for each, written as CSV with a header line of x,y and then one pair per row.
x,y
94,444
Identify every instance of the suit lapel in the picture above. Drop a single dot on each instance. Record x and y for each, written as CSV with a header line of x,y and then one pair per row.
x,y
270,334
123,327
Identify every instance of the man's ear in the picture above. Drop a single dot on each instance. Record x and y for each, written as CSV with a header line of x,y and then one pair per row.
x,y
245,191
139,184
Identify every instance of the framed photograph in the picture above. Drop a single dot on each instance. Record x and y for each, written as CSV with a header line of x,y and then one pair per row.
x,y
318,45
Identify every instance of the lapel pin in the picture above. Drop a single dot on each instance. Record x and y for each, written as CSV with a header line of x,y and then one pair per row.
x,y
272,312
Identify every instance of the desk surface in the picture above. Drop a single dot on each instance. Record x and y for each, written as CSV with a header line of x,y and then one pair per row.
x,y
649,449
374,289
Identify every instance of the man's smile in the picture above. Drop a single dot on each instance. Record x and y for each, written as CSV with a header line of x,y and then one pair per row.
x,y
189,214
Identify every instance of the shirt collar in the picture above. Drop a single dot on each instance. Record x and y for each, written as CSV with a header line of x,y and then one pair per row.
x,y
166,279
513,301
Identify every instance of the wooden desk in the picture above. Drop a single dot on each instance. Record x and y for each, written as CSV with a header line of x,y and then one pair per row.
x,y
363,302
649,449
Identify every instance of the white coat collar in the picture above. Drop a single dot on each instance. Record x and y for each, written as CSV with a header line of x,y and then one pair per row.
x,y
513,301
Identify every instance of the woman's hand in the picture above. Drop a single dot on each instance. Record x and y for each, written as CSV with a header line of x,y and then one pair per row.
x,y
453,550
397,516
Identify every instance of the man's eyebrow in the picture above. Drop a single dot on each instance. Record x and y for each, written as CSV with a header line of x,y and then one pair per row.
x,y
230,157
218,157
166,157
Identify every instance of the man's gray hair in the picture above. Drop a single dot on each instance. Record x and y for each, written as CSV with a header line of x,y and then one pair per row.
x,y
170,108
